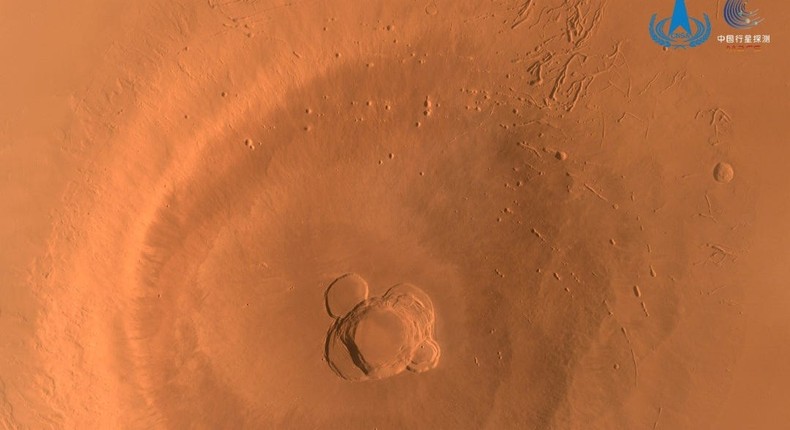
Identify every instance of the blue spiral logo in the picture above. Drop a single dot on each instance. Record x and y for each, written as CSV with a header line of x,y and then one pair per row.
x,y
737,16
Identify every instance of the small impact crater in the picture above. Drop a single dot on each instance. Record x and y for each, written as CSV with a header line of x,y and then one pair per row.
x,y
378,337
723,172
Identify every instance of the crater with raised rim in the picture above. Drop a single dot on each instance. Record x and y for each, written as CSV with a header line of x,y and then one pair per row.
x,y
379,337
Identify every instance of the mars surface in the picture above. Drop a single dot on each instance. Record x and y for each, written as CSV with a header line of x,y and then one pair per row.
x,y
228,214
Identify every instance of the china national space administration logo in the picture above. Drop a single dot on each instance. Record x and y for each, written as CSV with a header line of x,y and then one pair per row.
x,y
680,30
736,15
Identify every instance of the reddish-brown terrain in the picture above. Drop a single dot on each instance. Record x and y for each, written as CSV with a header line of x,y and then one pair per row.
x,y
390,215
